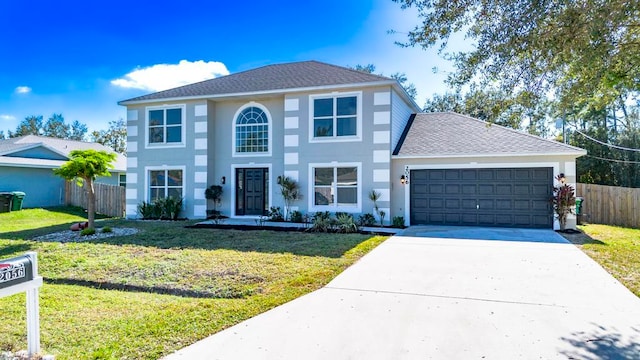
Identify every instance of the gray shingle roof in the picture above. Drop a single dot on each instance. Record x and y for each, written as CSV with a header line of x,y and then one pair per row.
x,y
451,134
294,75
61,146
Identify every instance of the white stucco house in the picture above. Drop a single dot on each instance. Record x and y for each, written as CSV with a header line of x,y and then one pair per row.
x,y
340,133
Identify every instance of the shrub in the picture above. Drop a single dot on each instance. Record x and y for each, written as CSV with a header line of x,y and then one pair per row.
x,y
87,232
366,219
398,222
163,208
345,223
321,224
106,230
375,196
290,191
324,215
214,193
275,214
296,217
146,210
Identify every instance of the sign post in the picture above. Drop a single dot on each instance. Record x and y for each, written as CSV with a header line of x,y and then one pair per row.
x,y
20,274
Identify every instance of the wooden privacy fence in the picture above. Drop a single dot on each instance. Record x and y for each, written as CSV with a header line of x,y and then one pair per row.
x,y
110,199
610,205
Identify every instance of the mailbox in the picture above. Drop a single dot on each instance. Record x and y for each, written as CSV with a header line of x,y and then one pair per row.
x,y
15,271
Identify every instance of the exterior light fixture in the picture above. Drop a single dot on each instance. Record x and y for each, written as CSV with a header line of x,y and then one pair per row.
x,y
403,180
223,180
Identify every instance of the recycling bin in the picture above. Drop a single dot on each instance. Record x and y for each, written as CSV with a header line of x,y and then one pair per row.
x,y
5,201
18,197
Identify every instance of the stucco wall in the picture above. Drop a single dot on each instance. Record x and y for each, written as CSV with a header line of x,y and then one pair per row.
x,y
42,187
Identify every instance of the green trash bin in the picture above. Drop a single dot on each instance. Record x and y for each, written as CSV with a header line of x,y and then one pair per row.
x,y
18,197
5,201
579,202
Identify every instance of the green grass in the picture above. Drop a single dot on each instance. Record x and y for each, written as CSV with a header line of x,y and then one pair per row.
x,y
146,295
616,249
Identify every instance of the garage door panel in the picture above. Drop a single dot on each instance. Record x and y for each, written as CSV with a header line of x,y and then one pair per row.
x,y
504,204
469,175
517,197
486,174
504,189
486,204
486,189
436,203
452,175
452,204
469,204
434,189
469,189
452,189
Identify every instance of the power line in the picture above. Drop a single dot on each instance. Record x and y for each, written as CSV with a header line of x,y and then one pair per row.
x,y
614,160
606,144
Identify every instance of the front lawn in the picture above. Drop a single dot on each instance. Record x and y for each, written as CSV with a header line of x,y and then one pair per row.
x,y
147,295
617,249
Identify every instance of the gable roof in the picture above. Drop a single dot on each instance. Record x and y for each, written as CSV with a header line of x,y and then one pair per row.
x,y
271,78
455,135
59,146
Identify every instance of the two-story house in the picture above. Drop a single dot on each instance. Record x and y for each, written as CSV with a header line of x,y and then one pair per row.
x,y
340,133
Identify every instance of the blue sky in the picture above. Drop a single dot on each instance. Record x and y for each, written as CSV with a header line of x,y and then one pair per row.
x,y
79,58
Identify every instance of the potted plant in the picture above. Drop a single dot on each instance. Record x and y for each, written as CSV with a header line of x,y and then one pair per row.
x,y
564,200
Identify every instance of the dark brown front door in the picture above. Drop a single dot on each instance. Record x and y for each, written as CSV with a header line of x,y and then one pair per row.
x,y
251,189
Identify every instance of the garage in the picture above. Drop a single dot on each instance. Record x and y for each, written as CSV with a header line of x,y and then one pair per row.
x,y
504,197
454,170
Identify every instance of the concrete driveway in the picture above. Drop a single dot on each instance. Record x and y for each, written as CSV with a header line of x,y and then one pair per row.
x,y
449,293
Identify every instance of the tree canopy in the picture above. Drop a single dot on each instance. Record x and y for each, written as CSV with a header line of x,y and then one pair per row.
x,y
55,127
115,137
85,166
410,88
581,52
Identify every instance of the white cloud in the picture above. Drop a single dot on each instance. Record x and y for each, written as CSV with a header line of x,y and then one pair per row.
x,y
166,76
23,90
7,117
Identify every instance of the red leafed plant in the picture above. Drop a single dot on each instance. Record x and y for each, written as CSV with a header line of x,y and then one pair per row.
x,y
564,200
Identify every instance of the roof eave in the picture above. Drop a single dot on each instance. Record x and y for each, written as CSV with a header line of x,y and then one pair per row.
x,y
447,156
268,92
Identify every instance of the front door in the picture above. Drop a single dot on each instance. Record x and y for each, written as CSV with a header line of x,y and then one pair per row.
x,y
251,191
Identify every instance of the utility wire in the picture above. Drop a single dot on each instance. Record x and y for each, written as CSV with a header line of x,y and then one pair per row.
x,y
604,143
614,160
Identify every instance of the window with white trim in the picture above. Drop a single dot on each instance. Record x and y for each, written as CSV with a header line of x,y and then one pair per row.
x,y
165,125
335,116
165,183
252,131
335,186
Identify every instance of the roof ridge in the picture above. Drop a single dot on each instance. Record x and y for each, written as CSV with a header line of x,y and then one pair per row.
x,y
350,69
515,130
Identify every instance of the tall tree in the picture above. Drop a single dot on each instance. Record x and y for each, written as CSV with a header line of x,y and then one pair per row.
x,y
56,127
521,112
582,51
410,88
85,166
31,125
78,131
115,137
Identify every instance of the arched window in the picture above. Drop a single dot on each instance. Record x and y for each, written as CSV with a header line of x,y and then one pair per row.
x,y
252,131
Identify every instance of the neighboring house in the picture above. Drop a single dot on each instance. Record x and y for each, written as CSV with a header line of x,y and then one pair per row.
x,y
340,133
27,163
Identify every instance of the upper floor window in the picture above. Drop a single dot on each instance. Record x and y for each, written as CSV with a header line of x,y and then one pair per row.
x,y
251,131
165,125
336,116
